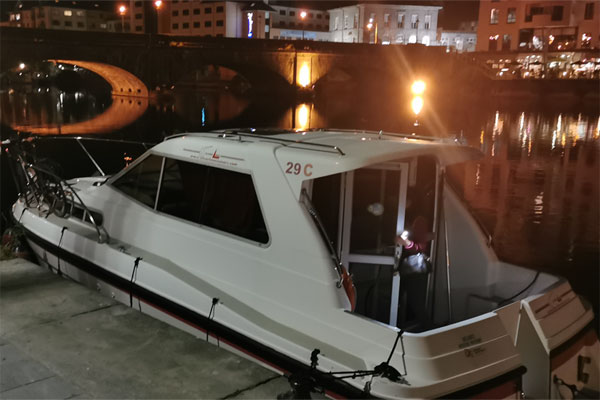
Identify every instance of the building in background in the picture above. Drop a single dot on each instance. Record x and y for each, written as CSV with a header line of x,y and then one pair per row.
x,y
80,16
201,18
384,23
461,40
517,25
256,20
274,21
549,39
299,23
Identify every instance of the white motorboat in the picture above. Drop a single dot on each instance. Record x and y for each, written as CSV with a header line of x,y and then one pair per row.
x,y
245,237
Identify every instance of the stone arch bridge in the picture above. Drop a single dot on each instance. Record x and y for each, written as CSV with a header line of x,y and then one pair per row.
x,y
163,59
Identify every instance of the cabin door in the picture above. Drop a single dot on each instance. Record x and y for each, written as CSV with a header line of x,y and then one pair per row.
x,y
372,205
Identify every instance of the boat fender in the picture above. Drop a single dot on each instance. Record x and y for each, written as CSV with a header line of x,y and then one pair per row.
x,y
349,287
136,264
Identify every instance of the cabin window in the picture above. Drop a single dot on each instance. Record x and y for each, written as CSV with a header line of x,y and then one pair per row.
x,y
214,197
141,182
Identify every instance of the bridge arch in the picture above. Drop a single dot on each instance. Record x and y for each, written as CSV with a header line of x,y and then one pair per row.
x,y
129,102
122,82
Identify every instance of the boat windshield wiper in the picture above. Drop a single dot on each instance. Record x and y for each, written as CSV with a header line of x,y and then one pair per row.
x,y
315,216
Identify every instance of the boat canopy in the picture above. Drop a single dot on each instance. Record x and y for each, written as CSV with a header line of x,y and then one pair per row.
x,y
312,154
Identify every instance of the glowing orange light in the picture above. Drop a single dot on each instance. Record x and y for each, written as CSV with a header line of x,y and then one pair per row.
x,y
303,117
418,87
417,104
303,14
304,75
158,4
122,9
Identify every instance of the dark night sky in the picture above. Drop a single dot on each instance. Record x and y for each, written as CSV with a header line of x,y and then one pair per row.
x,y
454,11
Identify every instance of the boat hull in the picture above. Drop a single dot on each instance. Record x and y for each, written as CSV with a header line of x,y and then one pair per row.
x,y
83,271
63,262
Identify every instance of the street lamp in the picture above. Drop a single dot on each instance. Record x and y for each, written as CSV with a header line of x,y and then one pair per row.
x,y
370,26
122,12
302,16
158,4
418,87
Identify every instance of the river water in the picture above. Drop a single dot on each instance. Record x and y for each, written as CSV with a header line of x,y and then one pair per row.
x,y
536,189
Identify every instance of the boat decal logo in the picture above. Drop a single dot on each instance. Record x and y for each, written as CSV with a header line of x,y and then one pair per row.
x,y
210,153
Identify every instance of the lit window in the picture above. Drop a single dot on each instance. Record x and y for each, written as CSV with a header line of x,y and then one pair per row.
x,y
412,39
494,16
414,22
400,21
511,17
68,13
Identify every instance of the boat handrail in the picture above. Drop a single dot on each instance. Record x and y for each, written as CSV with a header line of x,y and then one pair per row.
x,y
382,133
79,140
47,187
93,139
287,142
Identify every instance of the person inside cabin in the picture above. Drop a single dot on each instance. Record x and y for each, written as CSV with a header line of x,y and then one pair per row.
x,y
413,268
417,239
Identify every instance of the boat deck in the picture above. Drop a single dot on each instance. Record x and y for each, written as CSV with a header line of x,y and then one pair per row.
x,y
59,339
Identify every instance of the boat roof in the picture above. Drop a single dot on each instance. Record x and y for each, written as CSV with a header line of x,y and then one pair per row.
x,y
309,154
349,148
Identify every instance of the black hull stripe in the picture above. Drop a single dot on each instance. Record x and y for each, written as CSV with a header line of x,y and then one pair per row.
x,y
224,333
335,387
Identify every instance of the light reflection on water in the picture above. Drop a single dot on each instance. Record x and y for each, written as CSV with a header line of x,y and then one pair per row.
x,y
536,189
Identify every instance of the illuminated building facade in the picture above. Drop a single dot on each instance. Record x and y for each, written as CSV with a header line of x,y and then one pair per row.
x,y
59,17
289,23
458,41
516,25
543,39
384,23
186,18
256,20
272,21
